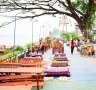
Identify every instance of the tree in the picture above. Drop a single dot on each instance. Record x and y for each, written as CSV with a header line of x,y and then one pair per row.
x,y
67,35
74,35
83,11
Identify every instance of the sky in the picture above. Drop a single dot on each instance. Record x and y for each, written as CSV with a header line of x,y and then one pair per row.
x,y
24,29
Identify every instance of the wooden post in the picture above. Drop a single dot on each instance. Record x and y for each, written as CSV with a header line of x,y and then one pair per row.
x,y
10,59
16,58
37,81
24,53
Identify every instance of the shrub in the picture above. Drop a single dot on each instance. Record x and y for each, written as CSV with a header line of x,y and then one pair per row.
x,y
19,48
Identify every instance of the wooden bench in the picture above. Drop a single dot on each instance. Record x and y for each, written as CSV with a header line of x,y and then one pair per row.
x,y
22,73
23,76
6,65
33,84
22,80
28,60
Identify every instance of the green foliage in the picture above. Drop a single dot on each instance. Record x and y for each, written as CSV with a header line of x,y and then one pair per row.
x,y
19,48
82,5
29,45
73,8
67,36
91,36
86,7
62,34
6,51
74,36
3,57
92,17
10,54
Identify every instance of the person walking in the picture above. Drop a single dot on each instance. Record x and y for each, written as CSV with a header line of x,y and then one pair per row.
x,y
78,44
42,48
72,46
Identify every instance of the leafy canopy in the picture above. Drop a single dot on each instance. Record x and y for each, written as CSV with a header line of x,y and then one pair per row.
x,y
83,11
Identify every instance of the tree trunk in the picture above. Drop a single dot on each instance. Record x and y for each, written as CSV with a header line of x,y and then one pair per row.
x,y
85,32
86,35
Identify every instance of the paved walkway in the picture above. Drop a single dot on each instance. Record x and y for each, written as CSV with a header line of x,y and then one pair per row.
x,y
62,85
83,73
82,68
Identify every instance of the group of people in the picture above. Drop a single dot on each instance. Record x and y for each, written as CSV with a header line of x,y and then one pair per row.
x,y
41,49
73,44
87,50
32,53
90,50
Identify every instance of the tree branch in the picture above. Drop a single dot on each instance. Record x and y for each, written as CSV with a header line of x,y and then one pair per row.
x,y
62,2
78,11
87,14
9,22
70,6
20,17
60,12
37,6
72,10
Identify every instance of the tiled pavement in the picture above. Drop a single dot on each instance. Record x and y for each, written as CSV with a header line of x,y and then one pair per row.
x,y
62,85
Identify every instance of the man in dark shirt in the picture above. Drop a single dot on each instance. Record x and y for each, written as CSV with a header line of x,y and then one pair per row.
x,y
42,49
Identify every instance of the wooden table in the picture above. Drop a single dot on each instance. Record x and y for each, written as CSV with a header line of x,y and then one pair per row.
x,y
31,75
22,69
